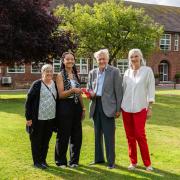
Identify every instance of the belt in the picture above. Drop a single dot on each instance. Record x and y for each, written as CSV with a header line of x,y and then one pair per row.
x,y
98,97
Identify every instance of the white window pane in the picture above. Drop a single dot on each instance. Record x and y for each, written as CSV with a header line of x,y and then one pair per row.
x,y
162,41
36,67
16,69
84,69
56,65
84,61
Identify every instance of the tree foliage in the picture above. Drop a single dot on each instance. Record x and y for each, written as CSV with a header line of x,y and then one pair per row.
x,y
29,32
111,25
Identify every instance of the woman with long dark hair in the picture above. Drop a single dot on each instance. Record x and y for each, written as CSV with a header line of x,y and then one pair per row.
x,y
70,112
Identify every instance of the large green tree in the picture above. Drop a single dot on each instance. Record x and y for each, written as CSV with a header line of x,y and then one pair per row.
x,y
111,25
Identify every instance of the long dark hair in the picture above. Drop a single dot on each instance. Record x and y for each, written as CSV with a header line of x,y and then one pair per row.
x,y
74,67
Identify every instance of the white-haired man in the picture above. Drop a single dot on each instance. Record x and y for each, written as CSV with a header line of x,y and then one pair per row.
x,y
105,86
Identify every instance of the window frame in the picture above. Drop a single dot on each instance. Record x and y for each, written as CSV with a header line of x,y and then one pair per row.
x,y
54,59
80,65
39,67
165,42
176,42
118,66
95,65
15,67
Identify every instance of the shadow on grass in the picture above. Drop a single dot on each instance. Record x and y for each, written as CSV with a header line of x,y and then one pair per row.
x,y
166,111
91,172
13,106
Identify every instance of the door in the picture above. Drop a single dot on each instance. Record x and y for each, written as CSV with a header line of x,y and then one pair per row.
x,y
163,71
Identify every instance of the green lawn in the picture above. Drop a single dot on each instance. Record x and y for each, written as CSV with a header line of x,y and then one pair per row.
x,y
163,132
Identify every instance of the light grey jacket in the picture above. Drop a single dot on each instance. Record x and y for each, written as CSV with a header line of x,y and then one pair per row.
x,y
112,91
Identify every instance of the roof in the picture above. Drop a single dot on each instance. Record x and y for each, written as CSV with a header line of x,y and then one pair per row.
x,y
168,16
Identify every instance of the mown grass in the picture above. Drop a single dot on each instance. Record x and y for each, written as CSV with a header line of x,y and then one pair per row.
x,y
163,132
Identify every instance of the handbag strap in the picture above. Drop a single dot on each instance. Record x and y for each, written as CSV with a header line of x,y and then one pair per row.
x,y
49,91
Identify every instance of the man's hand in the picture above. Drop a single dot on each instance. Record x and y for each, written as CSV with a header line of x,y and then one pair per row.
x,y
92,94
117,114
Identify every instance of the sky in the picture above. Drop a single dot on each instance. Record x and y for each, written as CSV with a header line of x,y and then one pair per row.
x,y
160,2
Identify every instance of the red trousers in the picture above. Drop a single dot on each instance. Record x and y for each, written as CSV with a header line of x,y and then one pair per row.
x,y
134,124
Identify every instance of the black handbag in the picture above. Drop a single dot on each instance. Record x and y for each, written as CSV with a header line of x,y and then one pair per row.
x,y
29,129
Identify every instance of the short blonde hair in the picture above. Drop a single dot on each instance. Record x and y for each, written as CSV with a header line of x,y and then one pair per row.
x,y
138,51
46,67
101,51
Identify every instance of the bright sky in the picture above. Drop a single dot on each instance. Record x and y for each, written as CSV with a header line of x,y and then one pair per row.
x,y
160,2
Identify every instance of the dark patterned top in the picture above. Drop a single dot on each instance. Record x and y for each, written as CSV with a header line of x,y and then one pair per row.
x,y
67,84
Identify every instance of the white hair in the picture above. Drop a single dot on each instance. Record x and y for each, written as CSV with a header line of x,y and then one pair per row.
x,y
138,51
101,51
46,67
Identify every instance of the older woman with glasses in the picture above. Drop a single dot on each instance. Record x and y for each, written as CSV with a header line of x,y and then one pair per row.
x,y
139,93
40,112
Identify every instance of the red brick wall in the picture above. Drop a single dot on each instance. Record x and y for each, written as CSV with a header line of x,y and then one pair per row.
x,y
20,80
173,58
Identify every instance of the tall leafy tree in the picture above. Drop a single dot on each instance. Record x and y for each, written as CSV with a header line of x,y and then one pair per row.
x,y
111,25
28,31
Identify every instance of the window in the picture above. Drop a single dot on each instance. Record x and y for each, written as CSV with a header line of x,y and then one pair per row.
x,y
16,68
36,67
56,65
122,64
84,79
82,66
165,42
176,42
95,65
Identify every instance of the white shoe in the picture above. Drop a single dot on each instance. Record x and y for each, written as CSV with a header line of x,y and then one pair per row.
x,y
62,166
149,168
73,165
132,166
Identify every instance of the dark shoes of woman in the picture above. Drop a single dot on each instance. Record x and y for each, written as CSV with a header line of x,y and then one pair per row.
x,y
43,165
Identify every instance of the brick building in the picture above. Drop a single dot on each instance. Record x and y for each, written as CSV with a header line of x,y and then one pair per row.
x,y
165,62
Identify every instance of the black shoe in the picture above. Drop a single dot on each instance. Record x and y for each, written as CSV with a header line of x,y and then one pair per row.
x,y
111,166
73,165
45,164
39,166
98,162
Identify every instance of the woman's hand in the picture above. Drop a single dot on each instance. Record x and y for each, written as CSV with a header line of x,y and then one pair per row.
x,y
149,113
77,90
29,122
